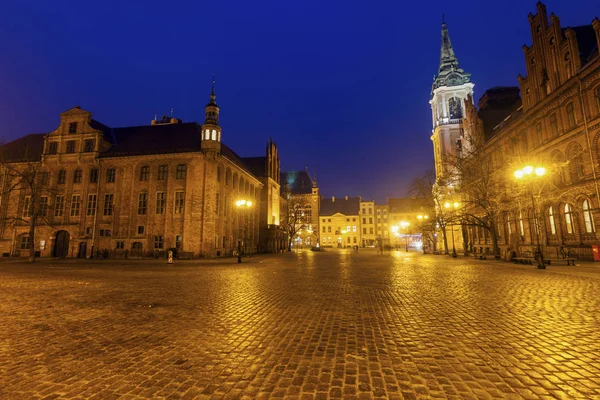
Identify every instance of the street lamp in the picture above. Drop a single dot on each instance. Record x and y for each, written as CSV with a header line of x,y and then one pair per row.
x,y
404,225
421,219
528,172
454,206
243,205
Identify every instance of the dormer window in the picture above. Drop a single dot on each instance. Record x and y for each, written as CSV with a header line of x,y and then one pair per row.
x,y
72,127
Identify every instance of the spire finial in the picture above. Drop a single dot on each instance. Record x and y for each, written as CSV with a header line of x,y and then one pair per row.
x,y
443,19
213,84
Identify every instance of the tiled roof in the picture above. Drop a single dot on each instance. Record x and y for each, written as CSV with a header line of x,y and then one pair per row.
x,y
340,205
27,148
129,141
586,39
298,182
406,204
256,165
155,139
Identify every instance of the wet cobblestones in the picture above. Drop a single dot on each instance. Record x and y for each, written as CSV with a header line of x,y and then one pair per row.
x,y
299,326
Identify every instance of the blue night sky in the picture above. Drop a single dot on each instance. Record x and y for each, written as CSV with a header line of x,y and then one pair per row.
x,y
341,86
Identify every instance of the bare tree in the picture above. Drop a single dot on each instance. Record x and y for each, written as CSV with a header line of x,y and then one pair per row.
x,y
294,218
28,184
425,187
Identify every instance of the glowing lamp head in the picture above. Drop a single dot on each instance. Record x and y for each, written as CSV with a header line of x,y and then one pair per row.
x,y
540,171
528,170
519,174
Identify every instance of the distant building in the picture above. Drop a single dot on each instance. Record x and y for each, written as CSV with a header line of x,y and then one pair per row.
x,y
304,191
555,124
135,190
340,222
367,223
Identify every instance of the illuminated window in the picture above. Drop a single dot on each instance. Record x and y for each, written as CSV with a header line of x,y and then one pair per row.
x,y
142,203
108,204
570,114
551,219
163,171
77,176
53,148
144,173
91,204
27,206
181,171
75,205
59,206
553,125
521,227
160,202
110,175
89,145
568,219
588,218
179,202
25,242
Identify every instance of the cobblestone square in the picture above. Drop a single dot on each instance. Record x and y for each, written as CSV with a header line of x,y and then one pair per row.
x,y
337,324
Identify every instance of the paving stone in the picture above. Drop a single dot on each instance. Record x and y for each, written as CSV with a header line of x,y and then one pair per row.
x,y
299,326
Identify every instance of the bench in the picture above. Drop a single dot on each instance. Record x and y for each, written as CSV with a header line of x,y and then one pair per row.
x,y
523,260
185,255
568,260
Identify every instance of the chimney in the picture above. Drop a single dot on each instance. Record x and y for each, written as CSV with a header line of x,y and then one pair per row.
x,y
332,199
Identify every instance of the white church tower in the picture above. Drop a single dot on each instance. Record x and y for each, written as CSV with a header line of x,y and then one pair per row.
x,y
451,86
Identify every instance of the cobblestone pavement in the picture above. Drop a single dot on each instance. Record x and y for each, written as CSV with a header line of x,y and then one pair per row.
x,y
300,326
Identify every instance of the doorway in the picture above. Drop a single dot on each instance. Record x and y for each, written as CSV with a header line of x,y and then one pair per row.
x,y
61,244
82,253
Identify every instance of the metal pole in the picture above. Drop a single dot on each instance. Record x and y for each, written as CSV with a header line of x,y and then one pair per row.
x,y
453,248
539,257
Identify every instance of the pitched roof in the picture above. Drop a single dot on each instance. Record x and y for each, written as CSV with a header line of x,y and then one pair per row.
x,y
406,204
155,139
586,40
256,165
27,148
345,206
298,182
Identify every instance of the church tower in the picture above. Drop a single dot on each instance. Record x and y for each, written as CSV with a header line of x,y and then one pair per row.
x,y
211,131
451,87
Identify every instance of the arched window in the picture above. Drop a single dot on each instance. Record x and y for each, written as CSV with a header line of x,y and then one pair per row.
x,y
521,226
559,176
235,180
455,108
241,184
598,98
551,219
576,163
568,218
588,218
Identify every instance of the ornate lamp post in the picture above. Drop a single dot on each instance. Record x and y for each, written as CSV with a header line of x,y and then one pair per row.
x,y
244,206
404,225
529,173
422,218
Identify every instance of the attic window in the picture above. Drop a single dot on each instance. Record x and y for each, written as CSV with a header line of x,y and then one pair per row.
x,y
72,127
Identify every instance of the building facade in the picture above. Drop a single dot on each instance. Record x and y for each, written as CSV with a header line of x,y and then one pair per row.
x,y
303,196
555,124
132,190
367,223
340,222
